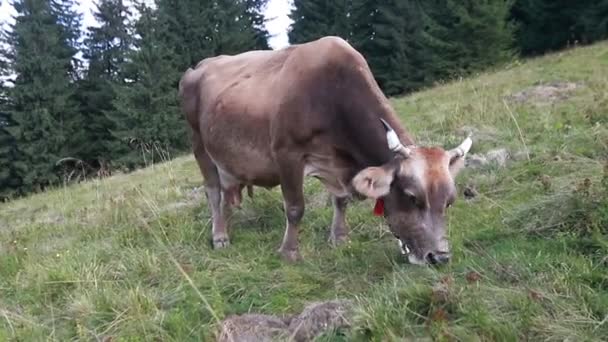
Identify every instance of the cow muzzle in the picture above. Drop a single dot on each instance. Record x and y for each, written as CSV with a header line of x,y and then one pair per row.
x,y
439,257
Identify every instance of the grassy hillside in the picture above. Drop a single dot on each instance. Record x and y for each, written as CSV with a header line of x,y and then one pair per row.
x,y
129,257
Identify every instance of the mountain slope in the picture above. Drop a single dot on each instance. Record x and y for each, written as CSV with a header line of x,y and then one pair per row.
x,y
129,257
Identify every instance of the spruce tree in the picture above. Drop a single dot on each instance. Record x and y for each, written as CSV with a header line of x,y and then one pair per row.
x,y
149,125
314,19
478,34
547,25
196,29
393,50
256,22
595,21
44,118
106,49
9,179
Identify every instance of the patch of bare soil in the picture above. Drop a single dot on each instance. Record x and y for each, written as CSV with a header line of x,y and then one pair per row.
x,y
316,319
192,199
545,93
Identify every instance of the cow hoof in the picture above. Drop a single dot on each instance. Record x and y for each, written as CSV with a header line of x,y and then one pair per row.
x,y
290,255
338,240
220,243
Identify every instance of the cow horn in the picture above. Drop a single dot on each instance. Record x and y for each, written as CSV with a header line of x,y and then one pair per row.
x,y
393,140
462,149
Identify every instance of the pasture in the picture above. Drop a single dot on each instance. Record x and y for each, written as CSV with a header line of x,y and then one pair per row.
x,y
128,258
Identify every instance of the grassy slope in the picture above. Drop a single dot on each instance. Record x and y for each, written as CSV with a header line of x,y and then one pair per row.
x,y
101,258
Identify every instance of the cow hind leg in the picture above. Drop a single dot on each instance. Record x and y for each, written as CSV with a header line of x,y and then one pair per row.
x,y
213,192
339,228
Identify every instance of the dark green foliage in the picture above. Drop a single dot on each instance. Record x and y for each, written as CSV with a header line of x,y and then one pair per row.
x,y
461,37
547,25
106,48
148,123
9,178
43,116
410,44
316,18
121,99
256,20
194,29
395,50
595,20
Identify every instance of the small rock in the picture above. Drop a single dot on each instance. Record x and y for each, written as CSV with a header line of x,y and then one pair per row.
x,y
466,130
498,156
521,155
253,328
476,160
316,319
321,317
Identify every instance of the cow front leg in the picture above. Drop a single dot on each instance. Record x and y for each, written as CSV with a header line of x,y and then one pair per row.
x,y
339,228
292,179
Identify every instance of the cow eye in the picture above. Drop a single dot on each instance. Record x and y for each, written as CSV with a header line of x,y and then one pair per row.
x,y
410,195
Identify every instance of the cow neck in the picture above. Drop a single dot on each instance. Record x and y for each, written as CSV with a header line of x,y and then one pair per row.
x,y
374,149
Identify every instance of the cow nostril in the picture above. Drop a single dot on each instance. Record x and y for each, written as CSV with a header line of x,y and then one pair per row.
x,y
438,258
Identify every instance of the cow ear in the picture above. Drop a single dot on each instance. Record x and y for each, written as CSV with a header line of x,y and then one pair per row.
x,y
374,182
456,164
458,154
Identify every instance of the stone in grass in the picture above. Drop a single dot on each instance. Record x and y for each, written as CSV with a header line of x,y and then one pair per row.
x,y
316,319
498,157
253,328
321,317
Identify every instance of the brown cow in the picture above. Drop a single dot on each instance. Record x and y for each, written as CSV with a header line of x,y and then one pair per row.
x,y
269,118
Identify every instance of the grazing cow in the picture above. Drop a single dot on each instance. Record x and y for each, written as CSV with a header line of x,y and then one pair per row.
x,y
269,118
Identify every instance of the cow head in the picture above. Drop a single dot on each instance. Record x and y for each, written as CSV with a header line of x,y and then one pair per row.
x,y
416,189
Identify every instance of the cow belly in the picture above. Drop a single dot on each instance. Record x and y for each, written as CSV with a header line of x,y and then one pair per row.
x,y
247,168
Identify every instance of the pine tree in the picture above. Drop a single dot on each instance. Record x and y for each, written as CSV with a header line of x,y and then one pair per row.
x,y
314,19
106,49
69,21
256,21
410,43
546,25
9,179
233,27
196,29
148,123
44,119
479,33
595,21
393,49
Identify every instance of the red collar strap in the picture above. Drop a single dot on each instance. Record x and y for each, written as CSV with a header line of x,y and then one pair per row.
x,y
379,207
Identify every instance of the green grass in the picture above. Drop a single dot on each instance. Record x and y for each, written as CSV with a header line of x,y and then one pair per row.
x,y
118,258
